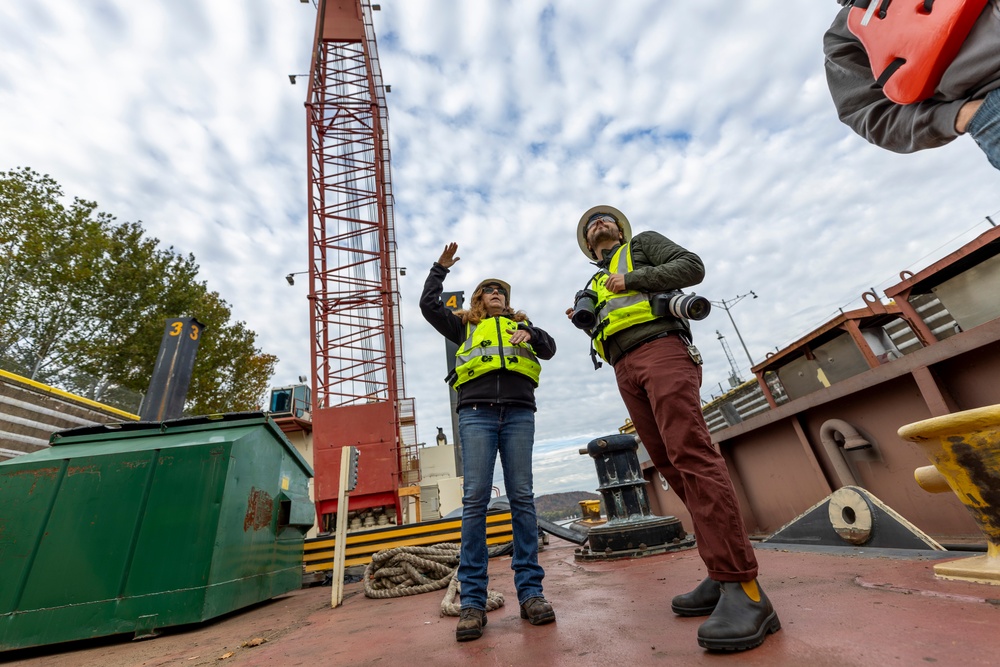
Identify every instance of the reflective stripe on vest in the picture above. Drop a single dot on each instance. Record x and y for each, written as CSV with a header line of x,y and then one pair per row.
x,y
487,348
618,311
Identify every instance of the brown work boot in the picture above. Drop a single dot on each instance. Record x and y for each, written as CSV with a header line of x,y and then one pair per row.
x,y
470,624
742,619
699,602
538,611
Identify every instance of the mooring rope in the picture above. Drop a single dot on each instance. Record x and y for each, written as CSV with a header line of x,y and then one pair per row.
x,y
414,570
494,600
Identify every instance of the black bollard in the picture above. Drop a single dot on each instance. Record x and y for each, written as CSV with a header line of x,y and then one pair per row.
x,y
631,530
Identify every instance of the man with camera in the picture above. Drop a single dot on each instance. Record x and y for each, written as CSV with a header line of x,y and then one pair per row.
x,y
638,321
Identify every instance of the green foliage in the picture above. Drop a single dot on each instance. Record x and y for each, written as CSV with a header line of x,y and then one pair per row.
x,y
83,300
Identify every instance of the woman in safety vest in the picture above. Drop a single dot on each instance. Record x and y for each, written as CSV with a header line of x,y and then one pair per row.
x,y
496,372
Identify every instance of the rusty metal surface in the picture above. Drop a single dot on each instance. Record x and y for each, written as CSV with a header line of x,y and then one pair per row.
x,y
371,428
783,460
781,468
836,610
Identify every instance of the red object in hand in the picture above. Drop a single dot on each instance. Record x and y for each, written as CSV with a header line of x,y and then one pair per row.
x,y
910,43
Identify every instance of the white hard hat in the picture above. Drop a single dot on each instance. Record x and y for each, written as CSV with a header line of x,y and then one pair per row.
x,y
493,281
581,229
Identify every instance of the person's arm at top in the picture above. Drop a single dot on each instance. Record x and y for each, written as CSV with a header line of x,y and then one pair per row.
x,y
863,106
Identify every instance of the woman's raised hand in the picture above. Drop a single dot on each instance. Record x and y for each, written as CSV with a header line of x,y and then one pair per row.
x,y
448,259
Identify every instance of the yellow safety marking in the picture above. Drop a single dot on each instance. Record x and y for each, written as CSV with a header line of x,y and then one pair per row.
x,y
404,531
318,554
315,551
366,558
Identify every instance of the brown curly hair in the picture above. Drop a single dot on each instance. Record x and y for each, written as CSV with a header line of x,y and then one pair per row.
x,y
477,312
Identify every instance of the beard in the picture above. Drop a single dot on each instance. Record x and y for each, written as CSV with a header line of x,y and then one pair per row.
x,y
604,234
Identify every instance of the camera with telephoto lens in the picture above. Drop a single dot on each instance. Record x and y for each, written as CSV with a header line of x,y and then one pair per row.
x,y
679,304
584,309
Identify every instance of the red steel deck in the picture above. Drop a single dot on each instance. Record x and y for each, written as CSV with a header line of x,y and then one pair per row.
x,y
836,610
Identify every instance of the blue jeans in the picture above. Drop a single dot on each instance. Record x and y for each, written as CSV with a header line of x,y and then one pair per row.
x,y
985,127
486,430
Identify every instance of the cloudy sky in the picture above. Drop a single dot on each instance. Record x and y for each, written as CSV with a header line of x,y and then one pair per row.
x,y
709,122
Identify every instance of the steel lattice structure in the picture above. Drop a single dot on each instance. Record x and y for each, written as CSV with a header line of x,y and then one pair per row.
x,y
353,259
356,334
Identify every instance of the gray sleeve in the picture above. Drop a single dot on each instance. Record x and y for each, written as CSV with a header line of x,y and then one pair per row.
x,y
862,105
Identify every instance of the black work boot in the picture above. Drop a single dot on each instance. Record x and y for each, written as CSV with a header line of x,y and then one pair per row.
x,y
699,602
741,620
538,611
470,624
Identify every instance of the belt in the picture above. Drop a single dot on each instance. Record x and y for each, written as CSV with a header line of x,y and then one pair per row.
x,y
662,334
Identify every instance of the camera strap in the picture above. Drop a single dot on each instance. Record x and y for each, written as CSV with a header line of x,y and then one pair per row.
x,y
593,334
601,326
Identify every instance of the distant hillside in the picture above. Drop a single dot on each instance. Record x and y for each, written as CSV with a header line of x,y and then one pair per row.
x,y
556,506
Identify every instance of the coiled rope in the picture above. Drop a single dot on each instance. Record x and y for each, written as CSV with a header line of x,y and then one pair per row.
x,y
414,570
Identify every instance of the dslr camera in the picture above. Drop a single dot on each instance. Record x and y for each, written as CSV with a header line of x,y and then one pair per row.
x,y
584,309
679,304
675,303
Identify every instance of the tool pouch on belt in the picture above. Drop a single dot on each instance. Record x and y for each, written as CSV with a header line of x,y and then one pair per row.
x,y
910,43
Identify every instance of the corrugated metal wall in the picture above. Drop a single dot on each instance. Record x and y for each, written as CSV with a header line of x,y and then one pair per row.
x,y
30,412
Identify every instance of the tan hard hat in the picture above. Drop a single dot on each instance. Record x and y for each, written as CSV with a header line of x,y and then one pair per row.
x,y
493,281
619,217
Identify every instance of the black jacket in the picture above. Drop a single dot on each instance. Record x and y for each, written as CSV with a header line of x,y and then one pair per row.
x,y
500,387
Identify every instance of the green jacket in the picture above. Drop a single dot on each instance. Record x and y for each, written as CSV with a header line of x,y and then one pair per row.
x,y
658,265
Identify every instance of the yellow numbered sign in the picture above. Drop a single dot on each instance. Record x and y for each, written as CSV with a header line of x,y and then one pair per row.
x,y
177,327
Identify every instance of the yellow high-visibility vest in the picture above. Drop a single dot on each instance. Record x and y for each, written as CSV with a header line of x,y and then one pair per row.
x,y
487,348
618,311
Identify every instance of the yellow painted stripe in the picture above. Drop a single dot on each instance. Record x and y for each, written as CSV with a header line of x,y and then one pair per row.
x,y
318,552
68,396
409,530
364,560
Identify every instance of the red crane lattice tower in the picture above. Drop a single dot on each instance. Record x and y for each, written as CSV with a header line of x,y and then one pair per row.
x,y
356,334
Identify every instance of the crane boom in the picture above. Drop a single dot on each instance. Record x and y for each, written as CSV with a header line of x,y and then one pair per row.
x,y
356,334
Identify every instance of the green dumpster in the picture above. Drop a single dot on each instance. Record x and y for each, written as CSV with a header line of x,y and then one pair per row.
x,y
133,527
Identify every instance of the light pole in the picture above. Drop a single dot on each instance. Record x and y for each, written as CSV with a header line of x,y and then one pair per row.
x,y
290,278
726,305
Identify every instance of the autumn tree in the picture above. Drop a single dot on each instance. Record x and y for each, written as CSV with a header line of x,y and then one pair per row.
x,y
83,300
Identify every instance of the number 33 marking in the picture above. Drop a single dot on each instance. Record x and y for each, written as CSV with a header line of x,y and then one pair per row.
x,y
177,327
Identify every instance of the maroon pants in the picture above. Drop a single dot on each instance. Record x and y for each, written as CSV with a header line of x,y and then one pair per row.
x,y
661,385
